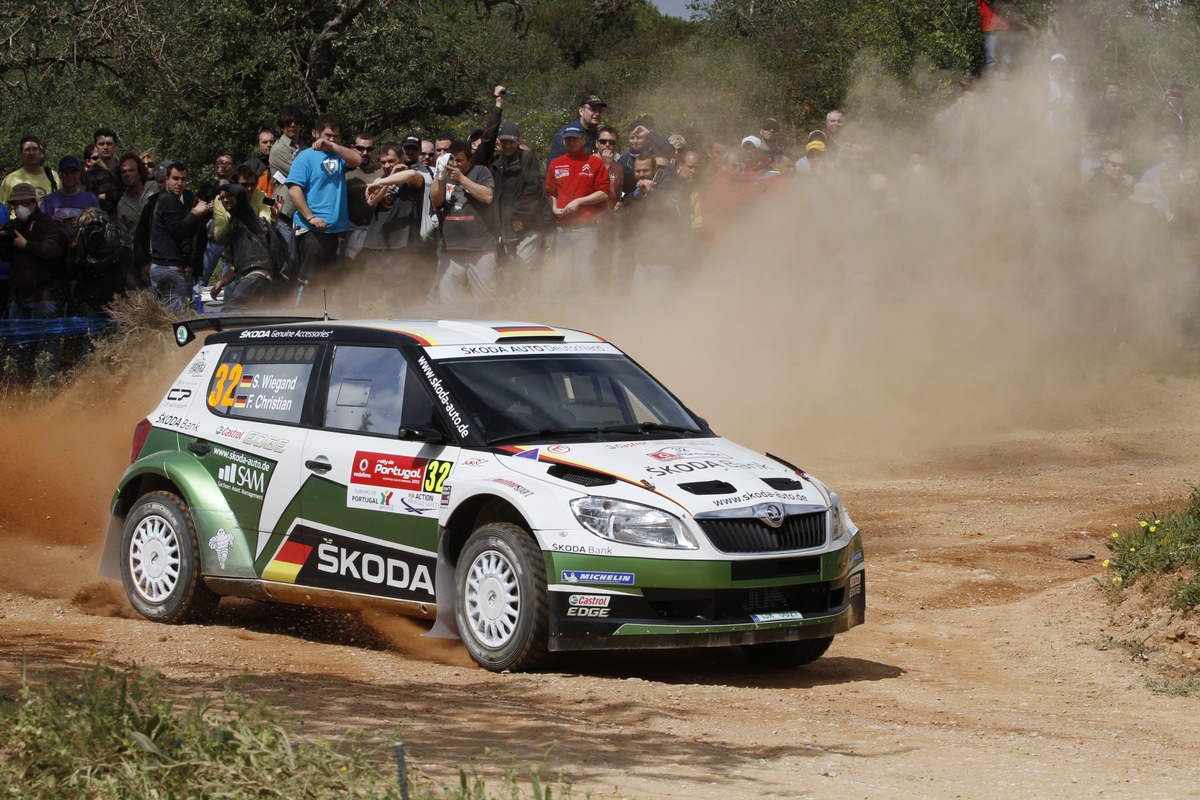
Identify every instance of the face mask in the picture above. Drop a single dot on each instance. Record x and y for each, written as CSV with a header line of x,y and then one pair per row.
x,y
23,213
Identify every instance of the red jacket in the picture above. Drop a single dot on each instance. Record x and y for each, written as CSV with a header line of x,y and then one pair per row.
x,y
576,175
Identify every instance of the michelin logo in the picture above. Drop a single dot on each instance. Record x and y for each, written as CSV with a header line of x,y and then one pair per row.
x,y
580,576
220,543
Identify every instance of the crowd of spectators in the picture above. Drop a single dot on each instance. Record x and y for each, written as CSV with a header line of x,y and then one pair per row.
x,y
429,221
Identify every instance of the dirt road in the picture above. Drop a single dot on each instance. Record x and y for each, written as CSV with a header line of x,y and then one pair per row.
x,y
982,671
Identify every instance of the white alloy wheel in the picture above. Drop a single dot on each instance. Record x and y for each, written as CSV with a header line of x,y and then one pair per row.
x,y
160,561
154,559
501,603
493,598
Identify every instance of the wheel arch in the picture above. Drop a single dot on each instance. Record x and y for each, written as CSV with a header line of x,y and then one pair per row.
x,y
479,509
176,473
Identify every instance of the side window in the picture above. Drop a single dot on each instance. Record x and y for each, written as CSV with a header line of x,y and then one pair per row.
x,y
262,382
373,390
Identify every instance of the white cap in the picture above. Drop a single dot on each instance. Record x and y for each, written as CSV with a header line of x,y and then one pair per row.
x,y
754,140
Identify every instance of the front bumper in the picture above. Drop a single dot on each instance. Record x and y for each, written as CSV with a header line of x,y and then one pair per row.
x,y
703,604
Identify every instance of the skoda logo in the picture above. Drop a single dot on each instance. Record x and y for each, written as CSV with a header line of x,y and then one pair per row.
x,y
770,513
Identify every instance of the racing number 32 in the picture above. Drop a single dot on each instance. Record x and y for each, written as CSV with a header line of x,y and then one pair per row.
x,y
227,379
435,475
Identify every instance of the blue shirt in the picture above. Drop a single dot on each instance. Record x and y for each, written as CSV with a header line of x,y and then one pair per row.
x,y
3,262
322,176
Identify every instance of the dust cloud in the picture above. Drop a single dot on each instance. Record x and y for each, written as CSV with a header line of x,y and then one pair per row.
x,y
855,314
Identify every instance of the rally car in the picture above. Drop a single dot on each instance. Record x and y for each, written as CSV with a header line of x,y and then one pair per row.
x,y
529,488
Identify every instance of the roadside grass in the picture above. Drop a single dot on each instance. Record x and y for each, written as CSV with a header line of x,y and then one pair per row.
x,y
1160,555
114,733
1161,549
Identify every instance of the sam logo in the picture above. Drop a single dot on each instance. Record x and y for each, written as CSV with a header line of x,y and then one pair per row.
x,y
243,477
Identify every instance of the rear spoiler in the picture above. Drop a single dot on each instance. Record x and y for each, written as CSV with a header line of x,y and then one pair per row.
x,y
185,331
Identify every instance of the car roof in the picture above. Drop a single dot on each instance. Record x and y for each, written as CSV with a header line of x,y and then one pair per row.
x,y
426,332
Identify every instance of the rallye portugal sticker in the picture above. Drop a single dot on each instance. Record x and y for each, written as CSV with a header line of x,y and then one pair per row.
x,y
396,483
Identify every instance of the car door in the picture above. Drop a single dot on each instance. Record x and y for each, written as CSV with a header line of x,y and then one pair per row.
x,y
252,442
370,502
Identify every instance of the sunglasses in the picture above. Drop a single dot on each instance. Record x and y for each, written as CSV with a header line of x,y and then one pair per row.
x,y
364,149
427,153
606,141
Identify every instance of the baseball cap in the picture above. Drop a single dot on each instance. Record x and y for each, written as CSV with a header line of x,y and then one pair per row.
x,y
592,100
410,139
754,140
164,167
819,146
572,130
510,132
770,124
69,162
22,193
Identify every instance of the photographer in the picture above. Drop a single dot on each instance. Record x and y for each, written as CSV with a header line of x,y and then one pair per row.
x,y
37,246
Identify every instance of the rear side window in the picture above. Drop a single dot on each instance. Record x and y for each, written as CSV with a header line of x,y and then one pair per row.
x,y
262,382
373,390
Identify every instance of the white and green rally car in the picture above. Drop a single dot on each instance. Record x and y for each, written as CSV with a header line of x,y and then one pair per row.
x,y
531,487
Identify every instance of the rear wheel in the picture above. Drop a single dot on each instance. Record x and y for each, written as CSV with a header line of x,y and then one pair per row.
x,y
787,654
160,561
501,603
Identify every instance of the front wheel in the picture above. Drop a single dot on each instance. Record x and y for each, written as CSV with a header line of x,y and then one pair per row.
x,y
160,561
501,601
787,654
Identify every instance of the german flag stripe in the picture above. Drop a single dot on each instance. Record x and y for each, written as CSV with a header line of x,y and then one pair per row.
x,y
287,563
246,382
424,341
239,401
525,330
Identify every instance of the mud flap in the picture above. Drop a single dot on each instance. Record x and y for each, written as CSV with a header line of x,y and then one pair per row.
x,y
445,626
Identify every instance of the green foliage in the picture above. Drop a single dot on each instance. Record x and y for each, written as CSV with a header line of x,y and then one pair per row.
x,y
192,80
1166,544
113,733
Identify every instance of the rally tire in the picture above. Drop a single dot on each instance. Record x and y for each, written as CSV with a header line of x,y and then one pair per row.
x,y
160,562
501,602
787,654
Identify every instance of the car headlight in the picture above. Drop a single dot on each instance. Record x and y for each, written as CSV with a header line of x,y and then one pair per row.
x,y
843,528
631,523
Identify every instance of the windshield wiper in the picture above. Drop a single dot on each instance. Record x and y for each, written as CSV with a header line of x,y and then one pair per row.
x,y
542,433
648,427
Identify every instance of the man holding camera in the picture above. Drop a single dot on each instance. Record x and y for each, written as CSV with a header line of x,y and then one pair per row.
x,y
37,245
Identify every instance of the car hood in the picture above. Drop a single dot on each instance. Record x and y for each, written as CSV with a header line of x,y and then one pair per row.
x,y
704,476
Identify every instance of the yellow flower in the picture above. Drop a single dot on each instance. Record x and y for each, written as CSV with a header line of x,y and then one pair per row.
x,y
1153,528
1117,579
1143,523
1133,549
1115,534
1106,563
1158,522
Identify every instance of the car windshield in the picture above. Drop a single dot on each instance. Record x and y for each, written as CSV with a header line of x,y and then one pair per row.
x,y
565,396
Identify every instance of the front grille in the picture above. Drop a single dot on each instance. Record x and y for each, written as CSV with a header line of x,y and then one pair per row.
x,y
728,604
749,535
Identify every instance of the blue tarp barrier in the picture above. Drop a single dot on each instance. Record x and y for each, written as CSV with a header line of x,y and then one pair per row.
x,y
23,331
